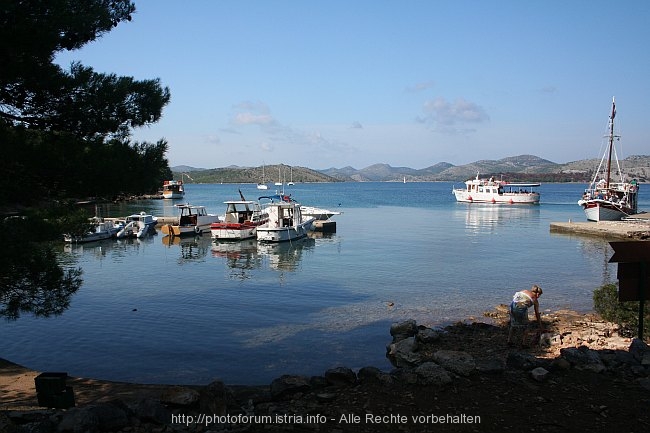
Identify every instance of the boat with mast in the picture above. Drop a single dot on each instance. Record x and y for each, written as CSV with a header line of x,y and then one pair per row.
x,y
262,185
605,199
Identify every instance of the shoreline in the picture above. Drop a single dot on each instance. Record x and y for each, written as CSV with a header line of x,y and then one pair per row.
x,y
14,376
444,380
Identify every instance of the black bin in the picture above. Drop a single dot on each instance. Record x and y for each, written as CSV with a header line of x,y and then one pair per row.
x,y
52,391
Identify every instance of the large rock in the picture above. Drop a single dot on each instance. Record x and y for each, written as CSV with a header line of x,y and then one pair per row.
x,y
340,376
522,361
402,330
180,396
99,417
430,373
403,353
461,363
150,410
214,398
580,355
427,336
287,385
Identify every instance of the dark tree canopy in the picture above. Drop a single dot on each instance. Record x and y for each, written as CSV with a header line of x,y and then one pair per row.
x,y
37,93
64,128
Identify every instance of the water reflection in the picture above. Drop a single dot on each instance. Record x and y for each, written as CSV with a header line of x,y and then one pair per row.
x,y
241,257
245,256
597,253
32,280
487,217
192,248
286,256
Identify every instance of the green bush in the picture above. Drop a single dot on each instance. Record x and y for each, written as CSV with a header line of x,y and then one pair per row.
x,y
625,314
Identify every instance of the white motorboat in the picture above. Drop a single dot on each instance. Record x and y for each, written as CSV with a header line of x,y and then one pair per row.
x,y
241,220
193,220
497,192
137,225
100,229
604,199
173,189
286,221
317,213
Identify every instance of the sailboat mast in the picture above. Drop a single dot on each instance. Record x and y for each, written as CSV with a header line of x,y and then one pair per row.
x,y
611,141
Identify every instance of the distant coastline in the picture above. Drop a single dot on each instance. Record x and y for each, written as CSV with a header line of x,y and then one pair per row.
x,y
522,168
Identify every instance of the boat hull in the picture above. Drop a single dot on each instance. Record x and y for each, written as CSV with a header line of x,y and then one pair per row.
x,y
234,232
284,234
602,210
464,196
172,195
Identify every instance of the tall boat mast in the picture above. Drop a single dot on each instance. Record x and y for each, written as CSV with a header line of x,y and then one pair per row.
x,y
611,141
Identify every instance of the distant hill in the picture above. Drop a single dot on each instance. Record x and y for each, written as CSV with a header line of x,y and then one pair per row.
x,y
234,174
528,168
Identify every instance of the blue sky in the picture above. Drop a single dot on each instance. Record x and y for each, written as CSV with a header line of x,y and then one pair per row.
x,y
408,83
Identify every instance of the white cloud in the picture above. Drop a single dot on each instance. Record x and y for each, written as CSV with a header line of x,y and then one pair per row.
x,y
452,117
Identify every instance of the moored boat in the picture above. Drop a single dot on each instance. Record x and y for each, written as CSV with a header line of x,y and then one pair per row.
x,y
241,220
605,199
497,192
137,225
173,189
100,229
286,222
317,213
262,184
193,220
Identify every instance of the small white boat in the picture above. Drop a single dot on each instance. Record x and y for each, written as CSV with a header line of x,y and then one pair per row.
x,y
290,183
279,182
496,192
262,185
100,229
193,220
317,213
286,222
604,199
137,225
241,220
173,189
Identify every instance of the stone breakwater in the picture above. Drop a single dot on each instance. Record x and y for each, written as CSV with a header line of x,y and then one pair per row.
x,y
431,366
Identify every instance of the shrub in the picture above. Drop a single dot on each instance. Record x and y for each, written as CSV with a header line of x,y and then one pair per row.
x,y
625,314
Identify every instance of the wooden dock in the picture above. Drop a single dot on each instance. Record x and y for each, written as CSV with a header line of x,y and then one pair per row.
x,y
634,227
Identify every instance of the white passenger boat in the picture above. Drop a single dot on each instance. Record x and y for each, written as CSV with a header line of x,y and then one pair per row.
x,y
137,225
193,220
497,192
286,221
173,189
605,199
241,220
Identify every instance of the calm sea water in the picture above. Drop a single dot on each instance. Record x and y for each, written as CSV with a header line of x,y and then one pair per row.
x,y
192,310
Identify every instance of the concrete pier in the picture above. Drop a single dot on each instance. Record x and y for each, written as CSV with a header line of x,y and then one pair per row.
x,y
634,227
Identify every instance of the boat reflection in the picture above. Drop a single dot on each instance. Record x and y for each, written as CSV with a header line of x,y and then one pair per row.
x,y
245,256
487,217
193,248
286,256
241,257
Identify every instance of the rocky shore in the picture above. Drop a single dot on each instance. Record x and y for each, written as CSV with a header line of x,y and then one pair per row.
x,y
578,375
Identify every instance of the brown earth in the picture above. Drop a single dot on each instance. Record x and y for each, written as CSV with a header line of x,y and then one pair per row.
x,y
570,399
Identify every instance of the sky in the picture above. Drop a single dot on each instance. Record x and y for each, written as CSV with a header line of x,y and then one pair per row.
x,y
336,83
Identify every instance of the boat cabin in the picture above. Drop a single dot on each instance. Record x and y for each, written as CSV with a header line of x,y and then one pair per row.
x,y
190,214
